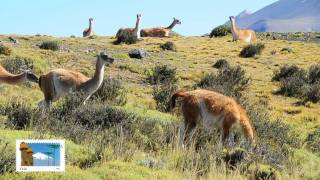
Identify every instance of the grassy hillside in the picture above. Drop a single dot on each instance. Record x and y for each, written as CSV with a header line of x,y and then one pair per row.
x,y
193,59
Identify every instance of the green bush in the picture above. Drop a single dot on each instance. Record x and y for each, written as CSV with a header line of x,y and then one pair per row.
x,y
162,74
170,46
19,114
221,63
252,50
5,50
313,140
286,71
230,81
18,64
50,45
220,31
112,92
292,86
162,95
125,37
7,158
314,74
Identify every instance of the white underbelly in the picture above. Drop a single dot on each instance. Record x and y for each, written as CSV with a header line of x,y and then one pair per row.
x,y
210,120
248,39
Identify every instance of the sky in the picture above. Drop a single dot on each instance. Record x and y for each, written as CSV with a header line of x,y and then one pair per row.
x,y
42,148
70,17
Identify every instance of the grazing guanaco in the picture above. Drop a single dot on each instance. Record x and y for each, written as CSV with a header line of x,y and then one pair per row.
x,y
245,35
8,78
89,31
60,82
212,109
160,31
135,32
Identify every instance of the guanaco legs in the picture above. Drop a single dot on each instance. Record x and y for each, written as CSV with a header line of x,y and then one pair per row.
x,y
161,31
135,32
213,110
60,82
245,35
89,31
8,78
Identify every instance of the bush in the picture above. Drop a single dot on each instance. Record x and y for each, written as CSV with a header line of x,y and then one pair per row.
x,y
314,74
17,64
5,50
252,50
288,71
313,140
19,115
7,158
162,95
125,37
50,45
292,86
112,92
231,81
219,31
162,74
170,46
311,92
221,63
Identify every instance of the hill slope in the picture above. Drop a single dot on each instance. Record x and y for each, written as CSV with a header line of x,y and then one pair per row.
x,y
285,16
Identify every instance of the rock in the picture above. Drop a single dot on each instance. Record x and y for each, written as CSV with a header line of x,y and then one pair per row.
x,y
138,53
287,49
13,40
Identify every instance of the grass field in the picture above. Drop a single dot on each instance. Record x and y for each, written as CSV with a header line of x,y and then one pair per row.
x,y
193,59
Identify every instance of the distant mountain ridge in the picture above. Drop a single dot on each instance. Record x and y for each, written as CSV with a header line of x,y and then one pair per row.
x,y
284,16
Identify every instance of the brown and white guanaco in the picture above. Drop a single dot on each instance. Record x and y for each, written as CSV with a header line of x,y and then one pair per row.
x,y
245,35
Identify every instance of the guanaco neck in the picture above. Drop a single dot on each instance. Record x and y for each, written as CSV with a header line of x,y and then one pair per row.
x,y
234,28
9,78
95,82
137,27
90,26
172,25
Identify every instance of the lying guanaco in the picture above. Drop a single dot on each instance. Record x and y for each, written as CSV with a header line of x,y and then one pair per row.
x,y
8,78
160,31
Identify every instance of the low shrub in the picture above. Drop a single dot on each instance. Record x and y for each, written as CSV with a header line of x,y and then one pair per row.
x,y
19,114
7,158
314,74
162,95
220,31
18,64
5,50
112,92
311,92
162,74
292,86
230,81
252,50
125,37
313,140
288,71
221,63
50,45
170,46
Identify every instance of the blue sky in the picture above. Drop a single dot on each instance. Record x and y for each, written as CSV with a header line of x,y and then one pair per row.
x,y
70,17
44,147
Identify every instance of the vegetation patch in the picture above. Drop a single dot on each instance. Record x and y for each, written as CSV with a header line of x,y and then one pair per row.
x,y
50,45
220,31
18,64
161,74
170,46
125,37
252,50
230,81
5,50
221,63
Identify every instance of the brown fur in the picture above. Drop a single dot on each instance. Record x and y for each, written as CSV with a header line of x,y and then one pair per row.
x,y
217,105
242,34
155,32
8,78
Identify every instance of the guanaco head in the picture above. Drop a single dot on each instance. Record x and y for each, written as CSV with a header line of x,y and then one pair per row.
x,y
105,58
176,21
232,18
139,16
91,20
30,76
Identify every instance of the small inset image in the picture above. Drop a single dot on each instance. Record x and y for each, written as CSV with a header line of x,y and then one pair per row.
x,y
40,155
